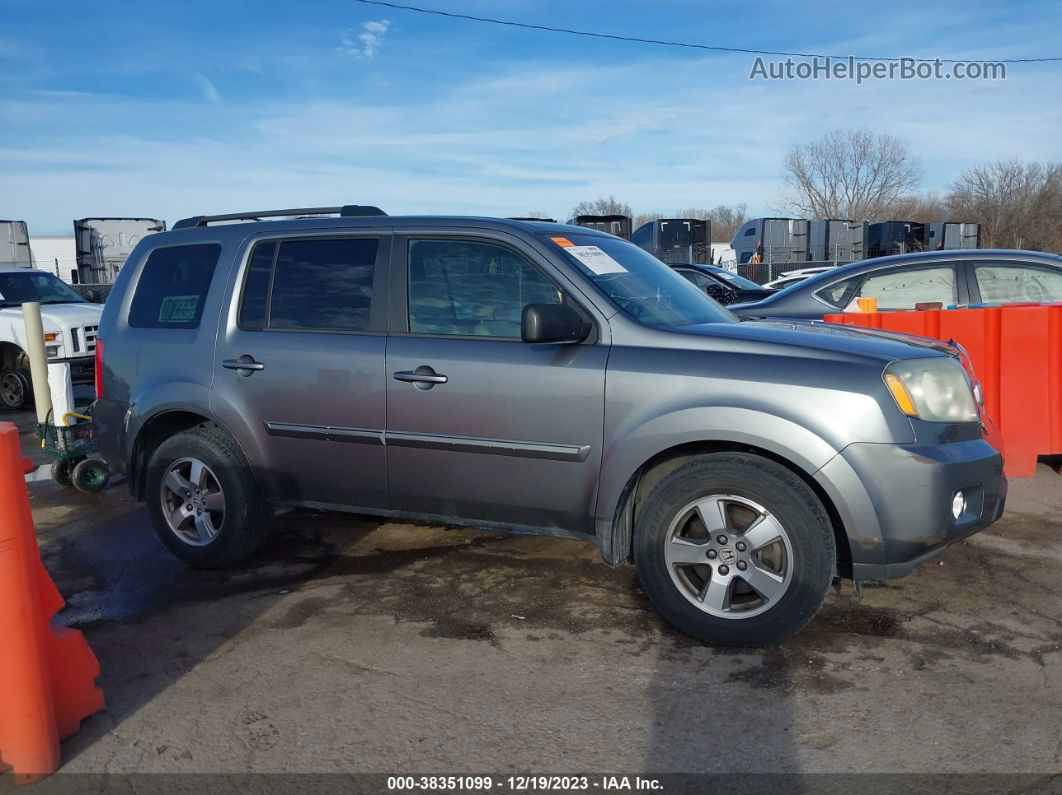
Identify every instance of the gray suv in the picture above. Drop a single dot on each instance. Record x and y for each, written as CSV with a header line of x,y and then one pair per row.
x,y
535,377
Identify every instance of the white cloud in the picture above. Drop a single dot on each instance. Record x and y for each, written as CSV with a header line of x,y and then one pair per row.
x,y
366,43
665,134
210,92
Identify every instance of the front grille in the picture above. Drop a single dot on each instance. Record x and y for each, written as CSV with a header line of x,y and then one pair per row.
x,y
90,338
74,343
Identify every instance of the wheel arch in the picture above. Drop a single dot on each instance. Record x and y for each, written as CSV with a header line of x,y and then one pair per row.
x,y
11,356
620,497
160,426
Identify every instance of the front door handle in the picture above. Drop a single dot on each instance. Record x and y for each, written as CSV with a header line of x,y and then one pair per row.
x,y
423,377
245,365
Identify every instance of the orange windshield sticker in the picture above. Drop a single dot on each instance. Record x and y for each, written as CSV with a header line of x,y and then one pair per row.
x,y
562,242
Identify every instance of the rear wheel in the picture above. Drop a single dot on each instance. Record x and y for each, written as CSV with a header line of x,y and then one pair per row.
x,y
203,499
735,550
15,390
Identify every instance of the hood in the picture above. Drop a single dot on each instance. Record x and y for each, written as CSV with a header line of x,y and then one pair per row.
x,y
72,314
828,338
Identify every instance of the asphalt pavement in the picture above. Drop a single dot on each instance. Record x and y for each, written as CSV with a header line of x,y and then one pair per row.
x,y
360,645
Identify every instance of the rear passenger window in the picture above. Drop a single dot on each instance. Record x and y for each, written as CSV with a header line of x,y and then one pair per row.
x,y
310,285
173,286
1018,283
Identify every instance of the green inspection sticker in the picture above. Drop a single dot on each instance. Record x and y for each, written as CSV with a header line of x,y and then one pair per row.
x,y
178,308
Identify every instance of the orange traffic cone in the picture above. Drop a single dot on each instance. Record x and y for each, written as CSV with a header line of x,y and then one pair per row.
x,y
47,672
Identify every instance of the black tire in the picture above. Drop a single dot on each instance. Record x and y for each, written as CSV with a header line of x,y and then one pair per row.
x,y
245,519
90,475
787,498
62,471
15,389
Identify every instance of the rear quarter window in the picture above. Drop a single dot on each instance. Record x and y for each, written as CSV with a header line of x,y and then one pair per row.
x,y
173,286
837,294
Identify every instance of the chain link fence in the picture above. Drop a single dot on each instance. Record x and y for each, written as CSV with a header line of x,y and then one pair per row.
x,y
775,261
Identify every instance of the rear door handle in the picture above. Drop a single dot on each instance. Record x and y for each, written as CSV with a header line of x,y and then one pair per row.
x,y
424,377
411,377
245,365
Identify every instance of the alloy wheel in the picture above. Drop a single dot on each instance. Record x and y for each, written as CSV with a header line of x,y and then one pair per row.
x,y
729,556
193,502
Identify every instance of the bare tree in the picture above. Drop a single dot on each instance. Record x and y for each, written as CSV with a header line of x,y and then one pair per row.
x,y
644,218
922,208
855,174
1019,205
726,220
602,206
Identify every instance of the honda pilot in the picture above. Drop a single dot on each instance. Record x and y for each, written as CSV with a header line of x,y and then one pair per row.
x,y
532,377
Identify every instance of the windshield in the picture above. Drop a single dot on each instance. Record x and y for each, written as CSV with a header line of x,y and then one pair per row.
x,y
18,288
639,284
737,281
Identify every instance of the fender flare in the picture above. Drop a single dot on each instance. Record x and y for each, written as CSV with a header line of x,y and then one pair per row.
x,y
180,396
730,425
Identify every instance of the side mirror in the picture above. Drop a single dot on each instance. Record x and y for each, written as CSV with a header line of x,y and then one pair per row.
x,y
555,323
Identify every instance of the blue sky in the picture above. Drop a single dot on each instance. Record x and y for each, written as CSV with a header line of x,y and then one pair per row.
x,y
173,109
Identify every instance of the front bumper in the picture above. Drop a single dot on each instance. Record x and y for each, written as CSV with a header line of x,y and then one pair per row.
x,y
82,368
895,501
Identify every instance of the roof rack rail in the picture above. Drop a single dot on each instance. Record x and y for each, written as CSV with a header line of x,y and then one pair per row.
x,y
347,210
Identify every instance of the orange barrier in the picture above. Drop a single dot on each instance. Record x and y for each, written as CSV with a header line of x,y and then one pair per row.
x,y
1016,352
47,672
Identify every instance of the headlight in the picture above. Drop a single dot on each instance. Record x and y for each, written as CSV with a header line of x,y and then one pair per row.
x,y
935,390
52,341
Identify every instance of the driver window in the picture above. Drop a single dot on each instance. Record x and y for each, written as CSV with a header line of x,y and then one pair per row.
x,y
471,288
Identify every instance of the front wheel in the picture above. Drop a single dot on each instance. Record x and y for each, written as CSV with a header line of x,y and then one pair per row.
x,y
735,550
15,390
203,499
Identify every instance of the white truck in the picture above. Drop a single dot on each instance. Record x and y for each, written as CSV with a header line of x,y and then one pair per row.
x,y
70,327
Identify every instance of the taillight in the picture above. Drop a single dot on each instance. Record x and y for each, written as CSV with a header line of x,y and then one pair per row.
x,y
99,368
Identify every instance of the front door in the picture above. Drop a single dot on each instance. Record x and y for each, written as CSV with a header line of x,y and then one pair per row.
x,y
300,366
481,426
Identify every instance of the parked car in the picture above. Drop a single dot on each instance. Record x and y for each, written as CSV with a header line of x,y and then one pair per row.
x,y
538,377
722,285
70,325
949,278
789,278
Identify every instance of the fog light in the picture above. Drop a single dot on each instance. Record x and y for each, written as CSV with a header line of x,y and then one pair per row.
x,y
52,351
958,504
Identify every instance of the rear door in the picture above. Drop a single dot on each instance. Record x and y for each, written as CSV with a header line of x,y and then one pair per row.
x,y
300,365
480,425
